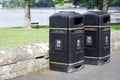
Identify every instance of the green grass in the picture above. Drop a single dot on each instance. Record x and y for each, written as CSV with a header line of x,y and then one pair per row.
x,y
10,37
115,27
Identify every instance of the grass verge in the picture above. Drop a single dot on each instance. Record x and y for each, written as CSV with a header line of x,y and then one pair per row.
x,y
115,26
10,37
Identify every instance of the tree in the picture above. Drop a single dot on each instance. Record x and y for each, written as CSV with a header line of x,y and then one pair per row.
x,y
99,4
61,2
4,3
90,4
27,22
114,2
105,6
76,2
102,5
43,3
16,3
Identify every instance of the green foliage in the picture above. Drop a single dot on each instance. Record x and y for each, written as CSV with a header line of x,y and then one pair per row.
x,y
10,37
50,3
94,3
90,4
114,2
16,3
4,4
76,2
43,3
59,1
33,3
98,4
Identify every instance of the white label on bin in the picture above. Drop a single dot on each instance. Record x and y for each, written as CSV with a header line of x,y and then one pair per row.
x,y
106,40
58,43
78,43
89,40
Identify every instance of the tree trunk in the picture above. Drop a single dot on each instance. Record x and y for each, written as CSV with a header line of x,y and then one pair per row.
x,y
27,22
105,6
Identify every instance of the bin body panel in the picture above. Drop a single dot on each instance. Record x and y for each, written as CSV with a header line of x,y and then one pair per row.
x,y
76,45
91,42
58,46
66,41
97,37
105,42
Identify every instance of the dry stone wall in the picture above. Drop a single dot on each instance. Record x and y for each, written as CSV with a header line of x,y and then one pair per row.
x,y
18,61
115,41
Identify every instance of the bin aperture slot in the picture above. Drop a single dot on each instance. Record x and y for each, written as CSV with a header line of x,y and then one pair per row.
x,y
78,20
106,19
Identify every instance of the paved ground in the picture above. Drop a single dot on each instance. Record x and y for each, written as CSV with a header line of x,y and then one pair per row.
x,y
110,71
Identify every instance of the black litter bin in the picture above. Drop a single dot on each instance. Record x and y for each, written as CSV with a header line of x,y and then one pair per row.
x,y
66,41
97,37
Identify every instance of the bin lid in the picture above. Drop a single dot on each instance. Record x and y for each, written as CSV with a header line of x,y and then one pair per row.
x,y
65,19
67,13
96,18
95,13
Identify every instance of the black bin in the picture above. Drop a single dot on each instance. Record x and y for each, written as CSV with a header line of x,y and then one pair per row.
x,y
66,41
97,37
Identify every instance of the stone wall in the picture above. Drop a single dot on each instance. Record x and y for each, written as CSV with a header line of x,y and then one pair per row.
x,y
18,61
115,41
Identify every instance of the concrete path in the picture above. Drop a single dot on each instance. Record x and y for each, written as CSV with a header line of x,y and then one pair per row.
x,y
110,71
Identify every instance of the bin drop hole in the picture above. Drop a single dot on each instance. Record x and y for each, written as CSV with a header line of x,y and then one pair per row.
x,y
39,57
106,19
78,20
78,66
106,60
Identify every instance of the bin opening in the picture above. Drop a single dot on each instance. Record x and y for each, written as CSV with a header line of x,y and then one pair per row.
x,y
106,19
78,66
78,20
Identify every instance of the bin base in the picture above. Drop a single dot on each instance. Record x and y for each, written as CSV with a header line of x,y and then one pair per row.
x,y
66,68
97,61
